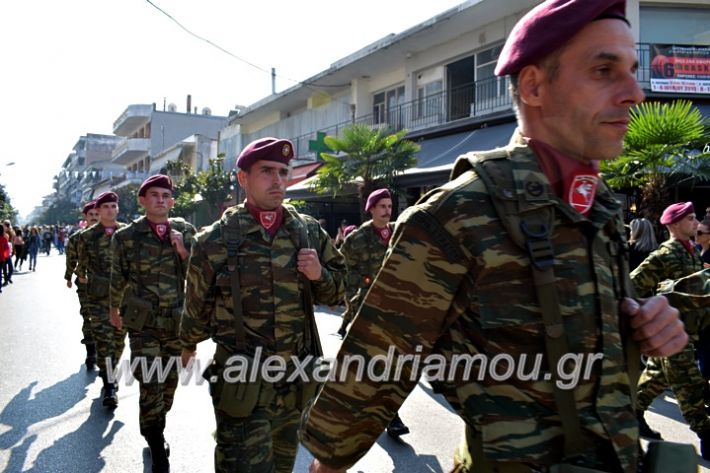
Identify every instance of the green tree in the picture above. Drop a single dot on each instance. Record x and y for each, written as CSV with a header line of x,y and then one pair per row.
x,y
214,187
60,211
185,187
665,146
128,207
366,156
7,211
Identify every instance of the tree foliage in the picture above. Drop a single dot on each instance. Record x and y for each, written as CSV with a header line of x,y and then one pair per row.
x,y
367,157
7,211
128,206
666,144
60,211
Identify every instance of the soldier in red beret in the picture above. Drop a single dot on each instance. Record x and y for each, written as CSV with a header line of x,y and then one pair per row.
x,y
94,270
520,254
148,268
674,259
72,259
252,281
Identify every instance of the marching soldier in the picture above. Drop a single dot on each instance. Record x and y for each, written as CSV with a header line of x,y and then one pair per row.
x,y
94,270
364,250
148,269
252,281
674,259
520,254
72,258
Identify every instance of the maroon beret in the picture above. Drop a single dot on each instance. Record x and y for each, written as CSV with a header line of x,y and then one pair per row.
x,y
675,212
105,198
377,196
348,230
159,180
549,26
88,206
266,149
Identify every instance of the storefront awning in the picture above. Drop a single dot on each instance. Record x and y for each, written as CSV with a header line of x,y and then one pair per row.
x,y
437,156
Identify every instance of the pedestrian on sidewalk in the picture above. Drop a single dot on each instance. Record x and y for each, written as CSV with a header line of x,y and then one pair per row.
x,y
94,269
4,252
148,267
18,246
33,246
7,268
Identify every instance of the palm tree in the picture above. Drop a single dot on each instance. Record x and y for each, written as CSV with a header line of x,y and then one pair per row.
x,y
367,157
665,146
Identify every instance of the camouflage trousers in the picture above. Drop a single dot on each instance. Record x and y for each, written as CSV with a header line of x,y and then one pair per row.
x,y
158,392
682,374
264,442
598,456
109,341
86,318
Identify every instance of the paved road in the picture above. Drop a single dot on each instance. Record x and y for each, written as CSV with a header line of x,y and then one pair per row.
x,y
52,420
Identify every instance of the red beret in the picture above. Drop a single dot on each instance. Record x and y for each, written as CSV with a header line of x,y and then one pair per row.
x,y
377,196
88,206
159,180
549,26
266,149
348,230
105,198
675,212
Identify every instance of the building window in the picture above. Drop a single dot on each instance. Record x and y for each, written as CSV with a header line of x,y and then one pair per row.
x,y
385,105
491,91
429,99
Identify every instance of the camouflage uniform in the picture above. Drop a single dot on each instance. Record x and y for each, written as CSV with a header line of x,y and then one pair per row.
x,y
364,252
95,262
427,302
151,270
274,320
72,259
672,261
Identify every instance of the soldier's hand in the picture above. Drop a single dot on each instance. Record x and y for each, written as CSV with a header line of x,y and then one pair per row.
x,y
656,326
83,280
186,356
308,263
116,318
318,467
177,241
69,283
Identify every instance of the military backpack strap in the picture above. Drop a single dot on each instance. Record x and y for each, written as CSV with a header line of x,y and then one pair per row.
x,y
301,240
232,235
619,250
530,228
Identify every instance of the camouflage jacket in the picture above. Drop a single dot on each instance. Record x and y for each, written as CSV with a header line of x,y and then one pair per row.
x,y
271,293
364,252
72,254
670,261
426,303
152,270
95,252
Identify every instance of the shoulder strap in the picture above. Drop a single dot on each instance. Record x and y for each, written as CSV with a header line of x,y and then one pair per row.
x,y
530,229
232,236
301,240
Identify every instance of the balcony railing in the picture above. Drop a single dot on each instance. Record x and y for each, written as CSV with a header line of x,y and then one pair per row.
x,y
474,99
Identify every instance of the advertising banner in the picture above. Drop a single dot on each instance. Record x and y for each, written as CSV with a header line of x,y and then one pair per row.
x,y
680,69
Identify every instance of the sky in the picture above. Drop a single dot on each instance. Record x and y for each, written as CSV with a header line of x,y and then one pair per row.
x,y
71,68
